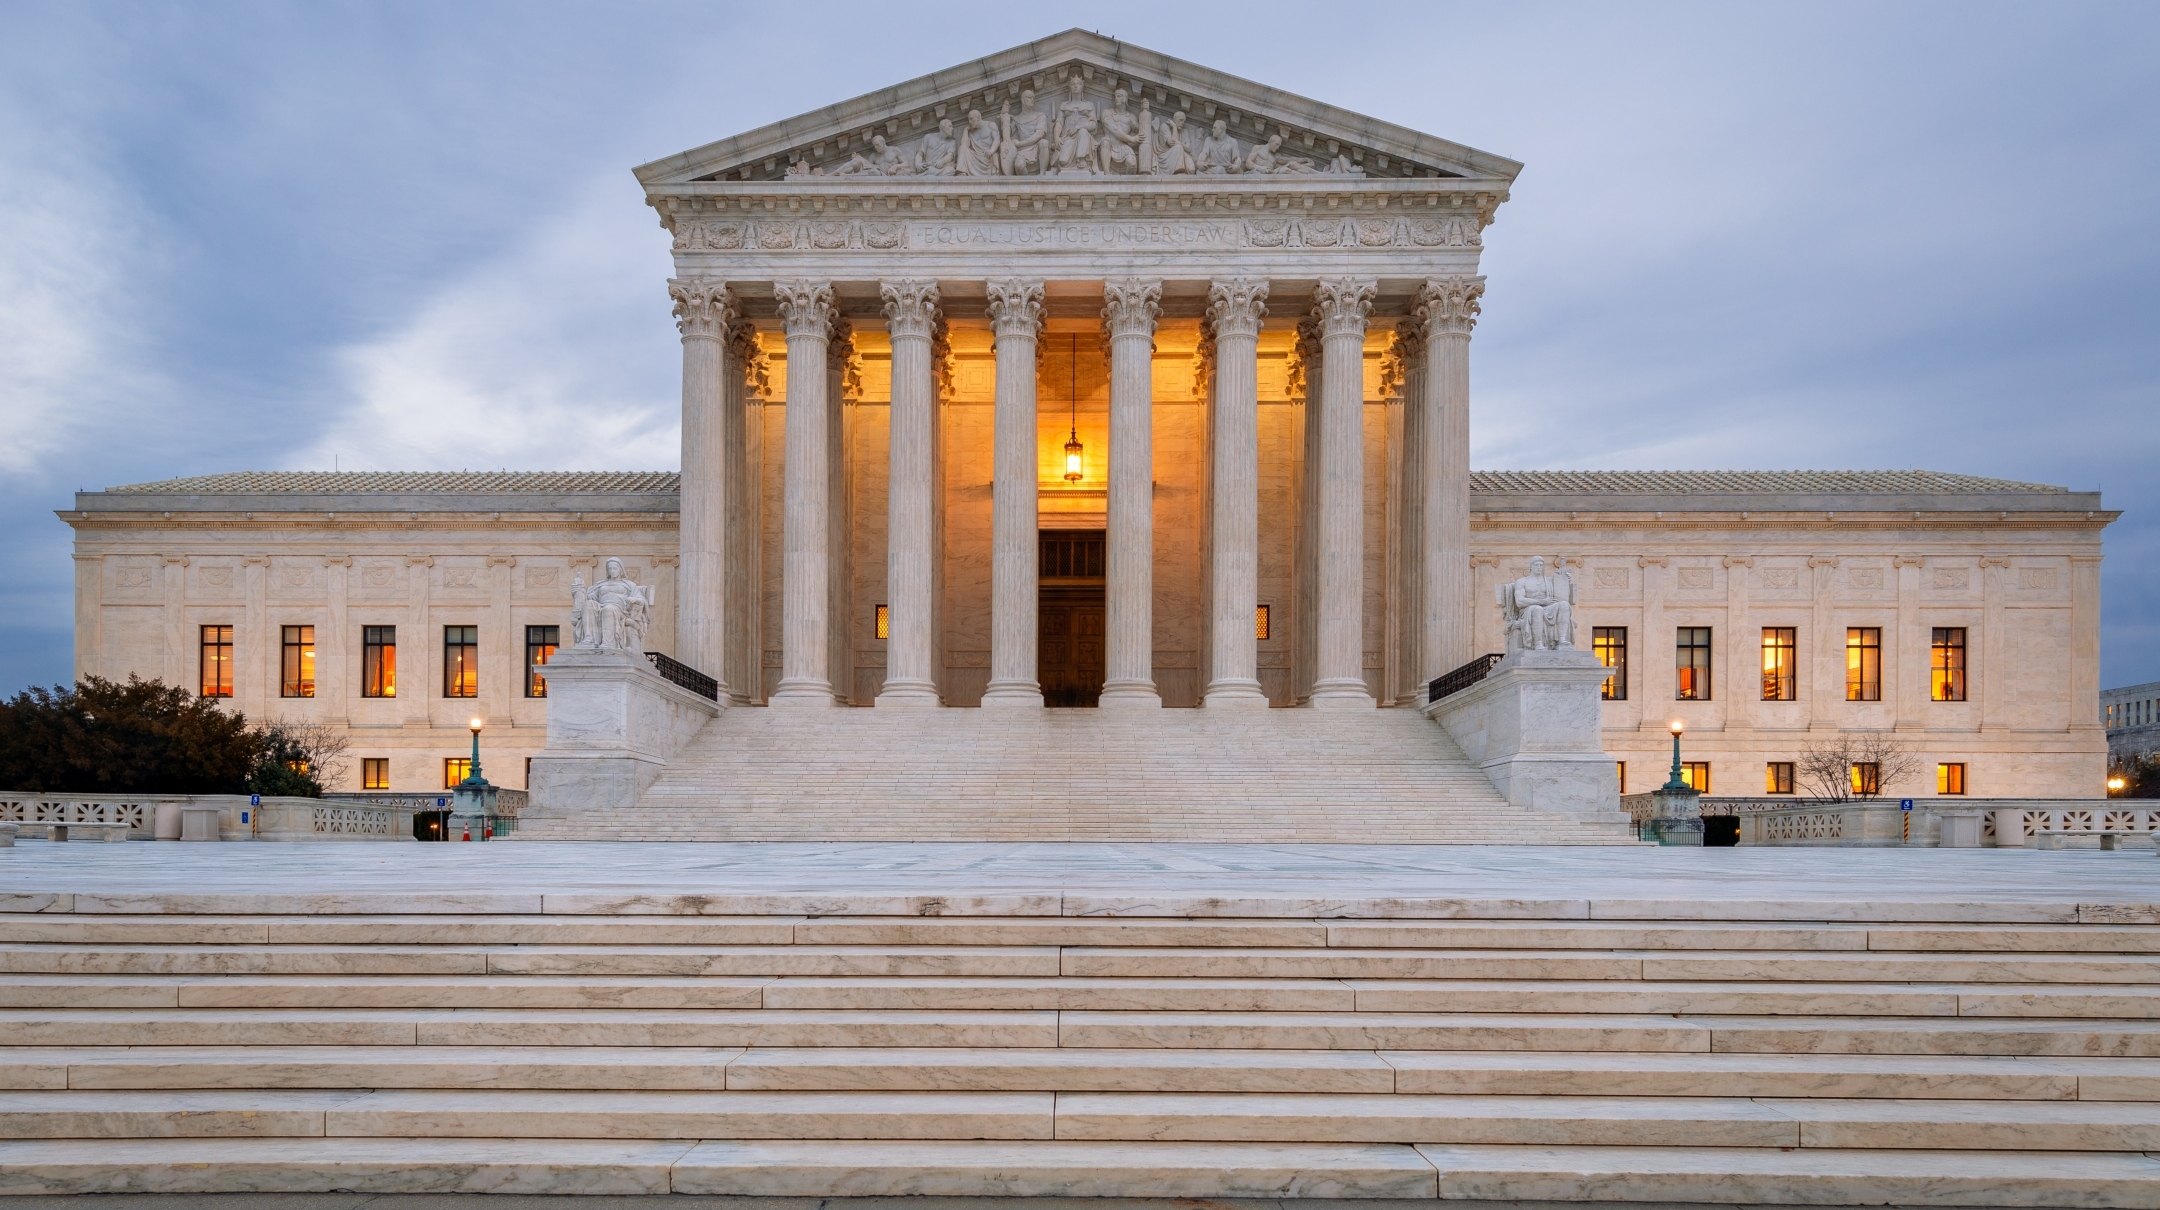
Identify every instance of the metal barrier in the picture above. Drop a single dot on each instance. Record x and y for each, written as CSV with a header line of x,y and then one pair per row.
x,y
678,673
1462,678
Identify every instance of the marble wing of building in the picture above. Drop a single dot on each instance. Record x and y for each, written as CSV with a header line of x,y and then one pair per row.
x,y
1081,376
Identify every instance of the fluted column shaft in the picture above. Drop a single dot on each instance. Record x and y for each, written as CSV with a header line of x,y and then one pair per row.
x,y
703,313
1449,307
1016,309
1410,681
805,680
1341,305
1129,311
1235,308
739,443
910,317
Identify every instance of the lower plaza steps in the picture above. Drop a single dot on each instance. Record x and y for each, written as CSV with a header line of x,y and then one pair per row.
x,y
1255,776
1968,1060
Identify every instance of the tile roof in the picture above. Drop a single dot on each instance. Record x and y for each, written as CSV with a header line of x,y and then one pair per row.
x,y
357,482
1795,482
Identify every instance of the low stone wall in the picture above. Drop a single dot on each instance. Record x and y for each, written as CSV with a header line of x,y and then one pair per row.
x,y
277,818
1881,822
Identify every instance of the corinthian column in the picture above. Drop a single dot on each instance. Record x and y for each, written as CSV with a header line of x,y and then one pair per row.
x,y
1235,308
1449,308
1130,306
1016,312
1341,305
703,314
911,313
806,309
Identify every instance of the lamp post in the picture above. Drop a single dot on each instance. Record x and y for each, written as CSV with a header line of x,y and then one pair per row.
x,y
2115,785
474,796
473,778
1675,782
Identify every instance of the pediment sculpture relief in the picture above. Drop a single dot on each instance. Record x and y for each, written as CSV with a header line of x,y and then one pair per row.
x,y
1075,136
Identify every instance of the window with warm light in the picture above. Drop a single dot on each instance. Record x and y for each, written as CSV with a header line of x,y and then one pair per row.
x,y
1780,663
374,772
1950,778
1260,622
1946,662
540,645
297,667
1621,768
1863,663
217,661
1609,644
454,770
1696,774
884,621
461,661
378,661
1866,777
1691,664
1777,777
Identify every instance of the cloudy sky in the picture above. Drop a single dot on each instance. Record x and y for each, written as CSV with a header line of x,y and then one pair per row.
x,y
405,236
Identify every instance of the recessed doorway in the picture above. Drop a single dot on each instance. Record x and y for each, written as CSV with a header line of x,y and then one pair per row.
x,y
1070,617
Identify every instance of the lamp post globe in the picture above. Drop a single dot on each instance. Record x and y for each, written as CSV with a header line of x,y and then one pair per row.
x,y
1675,781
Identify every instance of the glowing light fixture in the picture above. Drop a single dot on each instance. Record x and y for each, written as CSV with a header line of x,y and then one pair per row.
x,y
1073,448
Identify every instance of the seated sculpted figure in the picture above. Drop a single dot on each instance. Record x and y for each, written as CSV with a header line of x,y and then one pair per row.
x,y
882,161
1218,152
1078,127
1266,158
613,614
1539,609
1122,136
939,151
1025,150
1171,153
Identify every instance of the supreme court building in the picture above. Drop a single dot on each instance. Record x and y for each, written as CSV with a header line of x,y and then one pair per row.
x,y
1083,377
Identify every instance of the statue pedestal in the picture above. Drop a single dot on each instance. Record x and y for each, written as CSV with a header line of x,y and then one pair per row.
x,y
1534,727
613,724
1675,817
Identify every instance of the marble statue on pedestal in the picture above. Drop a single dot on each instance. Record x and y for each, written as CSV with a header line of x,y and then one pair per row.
x,y
613,614
1539,609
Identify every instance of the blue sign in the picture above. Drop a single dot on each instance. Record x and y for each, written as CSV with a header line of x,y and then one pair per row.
x,y
1904,804
442,802
243,817
254,800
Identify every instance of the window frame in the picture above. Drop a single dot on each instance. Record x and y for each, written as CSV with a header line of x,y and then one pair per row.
x,y
461,661
1867,779
374,772
1781,678
1950,778
377,642
214,648
541,643
455,769
1263,623
1945,683
1609,644
1696,773
1863,663
1778,777
1692,657
296,661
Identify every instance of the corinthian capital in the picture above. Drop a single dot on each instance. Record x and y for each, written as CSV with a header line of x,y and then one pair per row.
x,y
1449,305
1342,303
1305,356
806,307
1016,306
911,307
703,306
1236,306
743,343
1130,305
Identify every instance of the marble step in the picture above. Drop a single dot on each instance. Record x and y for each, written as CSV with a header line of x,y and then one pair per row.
x,y
819,1169
1259,963
679,960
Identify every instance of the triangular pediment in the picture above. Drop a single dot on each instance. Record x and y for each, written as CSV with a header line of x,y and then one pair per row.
x,y
1074,126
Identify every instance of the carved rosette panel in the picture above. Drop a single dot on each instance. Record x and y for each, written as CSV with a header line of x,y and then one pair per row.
x,y
1236,306
911,307
1449,305
1130,307
703,307
1341,304
1016,307
806,307
1073,232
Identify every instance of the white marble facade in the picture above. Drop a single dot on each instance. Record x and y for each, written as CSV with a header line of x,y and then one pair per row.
x,y
1253,312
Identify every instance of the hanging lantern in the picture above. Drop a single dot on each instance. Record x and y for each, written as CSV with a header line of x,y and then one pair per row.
x,y
1073,448
1072,457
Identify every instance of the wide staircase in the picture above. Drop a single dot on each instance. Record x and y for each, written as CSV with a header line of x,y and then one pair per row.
x,y
839,1046
1261,776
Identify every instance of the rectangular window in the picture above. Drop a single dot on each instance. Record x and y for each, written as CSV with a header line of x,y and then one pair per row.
x,y
1623,775
378,661
1260,622
298,676
1691,661
540,643
1777,777
1950,779
374,772
1866,778
217,661
1696,773
1863,663
454,770
1609,643
1947,664
884,621
1780,663
461,661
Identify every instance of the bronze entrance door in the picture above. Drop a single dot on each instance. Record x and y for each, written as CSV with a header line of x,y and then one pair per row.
x,y
1071,655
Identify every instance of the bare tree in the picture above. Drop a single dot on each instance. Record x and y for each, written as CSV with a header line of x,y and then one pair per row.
x,y
323,748
1826,767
